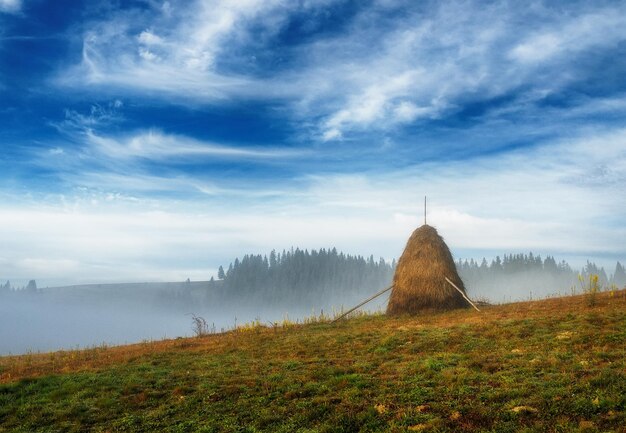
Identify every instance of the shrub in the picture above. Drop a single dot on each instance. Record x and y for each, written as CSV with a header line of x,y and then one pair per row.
x,y
590,288
200,326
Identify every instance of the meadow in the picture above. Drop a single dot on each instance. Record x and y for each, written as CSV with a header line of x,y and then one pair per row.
x,y
552,365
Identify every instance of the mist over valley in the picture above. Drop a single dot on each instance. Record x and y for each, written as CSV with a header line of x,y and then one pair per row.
x,y
269,289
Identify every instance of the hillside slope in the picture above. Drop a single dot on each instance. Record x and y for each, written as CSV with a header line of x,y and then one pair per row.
x,y
550,365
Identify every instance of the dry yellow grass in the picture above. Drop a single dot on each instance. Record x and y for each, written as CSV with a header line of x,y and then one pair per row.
x,y
13,368
370,373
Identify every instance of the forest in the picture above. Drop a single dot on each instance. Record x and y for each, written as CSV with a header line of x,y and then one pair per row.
x,y
531,276
297,279
326,274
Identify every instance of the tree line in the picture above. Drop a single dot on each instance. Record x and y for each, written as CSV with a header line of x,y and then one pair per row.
x,y
532,274
324,278
304,277
31,287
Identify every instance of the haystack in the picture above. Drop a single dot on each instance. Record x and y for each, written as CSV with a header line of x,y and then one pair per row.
x,y
419,282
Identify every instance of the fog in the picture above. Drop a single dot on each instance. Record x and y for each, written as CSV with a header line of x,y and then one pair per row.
x,y
521,287
49,321
32,325
41,320
54,319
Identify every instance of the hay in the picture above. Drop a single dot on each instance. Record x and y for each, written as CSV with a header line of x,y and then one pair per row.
x,y
419,282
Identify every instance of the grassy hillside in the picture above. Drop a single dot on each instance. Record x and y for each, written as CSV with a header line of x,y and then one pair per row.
x,y
553,365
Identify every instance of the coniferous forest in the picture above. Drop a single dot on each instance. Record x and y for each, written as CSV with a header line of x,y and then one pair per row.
x,y
531,276
321,279
296,279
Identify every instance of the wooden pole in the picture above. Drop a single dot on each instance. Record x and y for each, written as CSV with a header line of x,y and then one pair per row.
x,y
363,303
424,210
462,294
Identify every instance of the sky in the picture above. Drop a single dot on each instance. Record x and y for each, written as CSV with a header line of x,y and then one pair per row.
x,y
156,140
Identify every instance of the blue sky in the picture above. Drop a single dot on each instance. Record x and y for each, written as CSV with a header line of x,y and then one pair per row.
x,y
156,140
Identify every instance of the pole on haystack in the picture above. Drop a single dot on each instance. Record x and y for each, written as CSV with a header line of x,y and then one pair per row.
x,y
424,210
462,294
363,303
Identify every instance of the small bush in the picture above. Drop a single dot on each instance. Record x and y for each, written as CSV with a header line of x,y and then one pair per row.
x,y
590,288
200,326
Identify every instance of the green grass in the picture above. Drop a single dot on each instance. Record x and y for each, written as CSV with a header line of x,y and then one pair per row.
x,y
557,365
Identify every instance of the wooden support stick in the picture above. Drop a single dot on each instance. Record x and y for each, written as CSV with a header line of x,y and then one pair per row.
x,y
363,303
461,292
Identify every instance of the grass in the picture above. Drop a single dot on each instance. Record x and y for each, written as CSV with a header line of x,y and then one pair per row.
x,y
556,365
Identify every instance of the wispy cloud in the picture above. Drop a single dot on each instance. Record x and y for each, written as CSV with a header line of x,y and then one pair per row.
x,y
148,170
176,50
10,6
572,36
434,64
379,74
96,187
94,163
142,160
98,116
156,145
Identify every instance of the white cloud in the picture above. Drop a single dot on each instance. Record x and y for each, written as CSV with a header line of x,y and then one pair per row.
x,y
10,6
332,134
539,48
148,55
177,53
428,65
539,200
377,103
148,38
156,145
94,246
416,70
578,34
408,111
461,59
96,187
143,74
99,115
372,76
138,164
39,266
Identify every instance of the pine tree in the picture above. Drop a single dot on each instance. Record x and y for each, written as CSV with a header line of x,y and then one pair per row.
x,y
619,276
